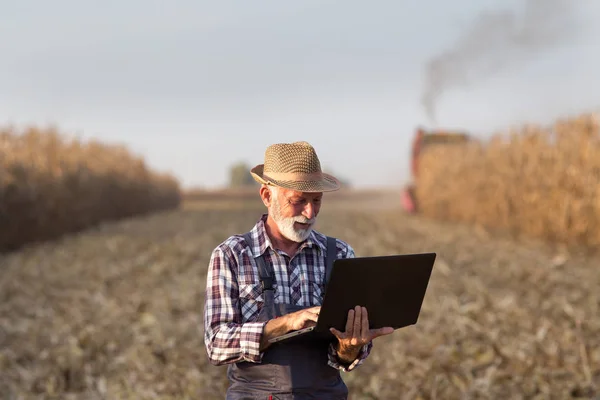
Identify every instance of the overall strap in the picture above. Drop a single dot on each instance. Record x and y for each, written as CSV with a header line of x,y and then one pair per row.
x,y
330,257
268,310
265,273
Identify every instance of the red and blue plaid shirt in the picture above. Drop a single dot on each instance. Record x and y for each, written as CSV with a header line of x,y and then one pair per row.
x,y
234,294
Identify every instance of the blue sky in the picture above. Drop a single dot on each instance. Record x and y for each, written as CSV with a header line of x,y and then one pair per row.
x,y
226,79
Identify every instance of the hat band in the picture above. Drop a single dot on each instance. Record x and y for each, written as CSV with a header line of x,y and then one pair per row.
x,y
293,176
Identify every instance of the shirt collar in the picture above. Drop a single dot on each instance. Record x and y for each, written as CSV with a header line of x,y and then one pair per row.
x,y
262,242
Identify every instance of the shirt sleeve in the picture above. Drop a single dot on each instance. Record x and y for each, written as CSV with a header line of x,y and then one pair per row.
x,y
226,337
333,360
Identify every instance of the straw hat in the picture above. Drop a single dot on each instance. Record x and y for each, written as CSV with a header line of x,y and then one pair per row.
x,y
294,166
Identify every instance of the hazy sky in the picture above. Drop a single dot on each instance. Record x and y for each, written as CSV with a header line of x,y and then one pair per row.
x,y
226,79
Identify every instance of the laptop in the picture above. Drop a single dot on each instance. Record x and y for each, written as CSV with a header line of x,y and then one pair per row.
x,y
392,288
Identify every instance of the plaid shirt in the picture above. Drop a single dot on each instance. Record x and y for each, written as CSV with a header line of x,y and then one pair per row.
x,y
234,295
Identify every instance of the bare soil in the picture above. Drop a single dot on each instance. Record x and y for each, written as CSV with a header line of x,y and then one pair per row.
x,y
115,312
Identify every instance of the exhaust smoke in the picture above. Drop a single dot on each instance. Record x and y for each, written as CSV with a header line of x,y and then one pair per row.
x,y
496,40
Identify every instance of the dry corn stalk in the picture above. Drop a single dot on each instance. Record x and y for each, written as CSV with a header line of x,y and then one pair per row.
x,y
542,181
51,185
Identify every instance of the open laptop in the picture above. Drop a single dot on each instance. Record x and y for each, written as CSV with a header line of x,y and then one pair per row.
x,y
392,289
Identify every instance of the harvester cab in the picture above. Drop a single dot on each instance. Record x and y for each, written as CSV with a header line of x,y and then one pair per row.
x,y
422,140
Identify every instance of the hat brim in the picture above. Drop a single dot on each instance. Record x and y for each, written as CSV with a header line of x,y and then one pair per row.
x,y
329,183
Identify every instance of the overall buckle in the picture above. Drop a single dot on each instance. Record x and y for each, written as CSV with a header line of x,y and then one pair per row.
x,y
267,283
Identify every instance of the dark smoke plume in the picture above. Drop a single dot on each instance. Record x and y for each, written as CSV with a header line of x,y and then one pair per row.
x,y
497,40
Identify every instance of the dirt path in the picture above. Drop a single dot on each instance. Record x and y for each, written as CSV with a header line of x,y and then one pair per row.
x,y
116,312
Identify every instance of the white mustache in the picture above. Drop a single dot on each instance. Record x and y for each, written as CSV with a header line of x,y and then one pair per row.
x,y
304,220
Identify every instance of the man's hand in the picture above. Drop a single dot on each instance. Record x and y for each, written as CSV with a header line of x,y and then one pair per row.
x,y
357,334
289,322
303,318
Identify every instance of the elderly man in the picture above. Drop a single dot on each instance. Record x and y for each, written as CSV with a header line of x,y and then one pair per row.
x,y
271,281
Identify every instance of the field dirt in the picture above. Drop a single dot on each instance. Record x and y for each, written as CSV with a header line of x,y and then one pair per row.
x,y
115,312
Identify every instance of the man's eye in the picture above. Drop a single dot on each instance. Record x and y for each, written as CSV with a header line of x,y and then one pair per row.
x,y
303,202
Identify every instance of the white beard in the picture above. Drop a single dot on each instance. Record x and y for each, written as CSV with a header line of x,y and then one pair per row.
x,y
286,225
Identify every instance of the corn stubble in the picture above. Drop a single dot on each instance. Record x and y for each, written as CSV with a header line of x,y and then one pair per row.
x,y
536,181
117,312
51,185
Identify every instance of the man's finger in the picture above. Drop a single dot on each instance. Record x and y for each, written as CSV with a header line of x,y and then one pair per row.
x,y
357,322
311,316
381,332
350,322
337,333
365,324
308,323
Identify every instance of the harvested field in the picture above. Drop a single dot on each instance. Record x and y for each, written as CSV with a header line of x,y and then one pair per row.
x,y
115,312
541,181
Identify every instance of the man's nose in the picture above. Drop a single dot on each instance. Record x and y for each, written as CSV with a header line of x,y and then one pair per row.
x,y
309,210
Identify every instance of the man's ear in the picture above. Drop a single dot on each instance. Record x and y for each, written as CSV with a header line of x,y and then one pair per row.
x,y
265,195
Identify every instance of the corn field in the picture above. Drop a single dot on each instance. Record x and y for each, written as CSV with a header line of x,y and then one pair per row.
x,y
51,185
537,181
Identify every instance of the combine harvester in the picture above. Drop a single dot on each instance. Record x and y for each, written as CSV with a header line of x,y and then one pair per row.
x,y
422,140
